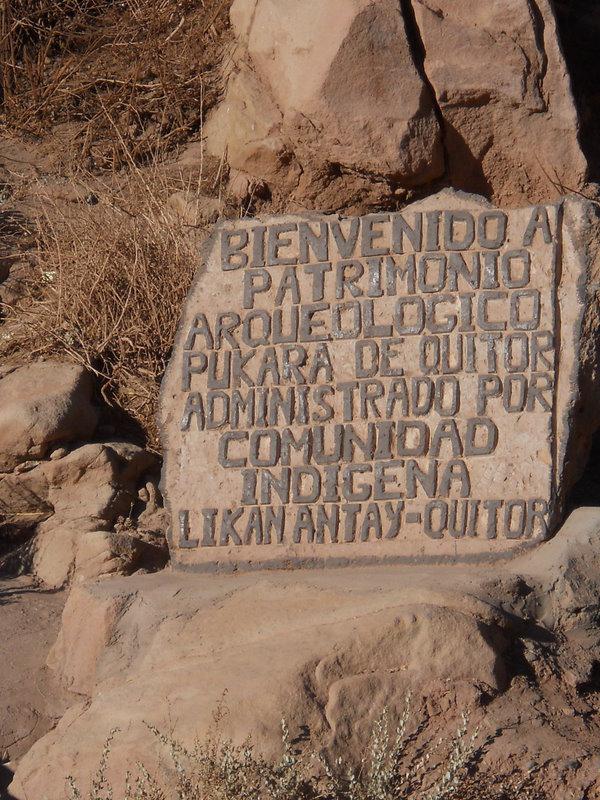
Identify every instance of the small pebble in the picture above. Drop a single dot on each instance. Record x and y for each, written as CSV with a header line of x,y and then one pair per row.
x,y
571,678
26,466
60,452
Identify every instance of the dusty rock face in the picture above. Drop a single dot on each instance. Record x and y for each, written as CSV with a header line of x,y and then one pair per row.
x,y
398,386
334,78
247,129
504,93
327,650
344,79
42,404
72,497
97,480
31,705
102,553
89,489
406,93
86,549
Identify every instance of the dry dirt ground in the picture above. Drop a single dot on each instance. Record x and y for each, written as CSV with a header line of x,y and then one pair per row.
x,y
30,701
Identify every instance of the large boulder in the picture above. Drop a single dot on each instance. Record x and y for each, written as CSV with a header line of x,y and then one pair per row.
x,y
333,81
405,94
43,404
327,651
504,92
90,489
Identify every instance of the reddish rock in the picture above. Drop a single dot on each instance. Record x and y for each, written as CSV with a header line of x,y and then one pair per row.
x,y
41,405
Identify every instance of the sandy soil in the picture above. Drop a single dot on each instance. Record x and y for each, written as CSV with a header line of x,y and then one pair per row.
x,y
30,701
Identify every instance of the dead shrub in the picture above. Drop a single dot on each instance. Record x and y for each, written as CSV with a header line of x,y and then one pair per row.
x,y
110,280
149,67
132,79
217,769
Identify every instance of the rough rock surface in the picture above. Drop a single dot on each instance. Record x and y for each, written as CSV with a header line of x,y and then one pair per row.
x,y
102,553
247,129
40,405
194,209
90,489
405,93
335,78
503,89
32,703
328,649
75,501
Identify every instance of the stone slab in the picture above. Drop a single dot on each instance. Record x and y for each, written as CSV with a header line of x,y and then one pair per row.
x,y
395,387
327,650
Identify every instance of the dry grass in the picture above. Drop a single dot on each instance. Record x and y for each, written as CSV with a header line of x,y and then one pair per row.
x,y
148,67
132,80
108,288
216,769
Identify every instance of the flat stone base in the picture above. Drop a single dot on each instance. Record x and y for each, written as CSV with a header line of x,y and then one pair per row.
x,y
327,650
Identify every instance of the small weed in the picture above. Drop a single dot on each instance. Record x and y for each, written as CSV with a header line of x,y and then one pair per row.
x,y
217,769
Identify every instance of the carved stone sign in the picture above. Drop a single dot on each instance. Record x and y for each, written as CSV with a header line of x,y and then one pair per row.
x,y
390,387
